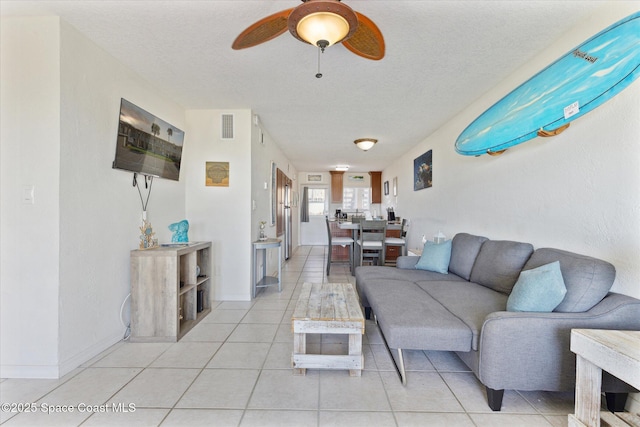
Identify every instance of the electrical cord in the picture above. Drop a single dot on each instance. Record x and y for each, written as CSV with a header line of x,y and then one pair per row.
x,y
148,182
127,331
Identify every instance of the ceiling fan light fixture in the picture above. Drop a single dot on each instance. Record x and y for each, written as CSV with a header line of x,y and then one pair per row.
x,y
323,27
322,22
365,143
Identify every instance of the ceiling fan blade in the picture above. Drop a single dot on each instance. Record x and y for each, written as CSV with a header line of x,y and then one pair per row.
x,y
263,30
367,41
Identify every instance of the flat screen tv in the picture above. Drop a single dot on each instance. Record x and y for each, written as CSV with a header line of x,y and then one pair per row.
x,y
146,144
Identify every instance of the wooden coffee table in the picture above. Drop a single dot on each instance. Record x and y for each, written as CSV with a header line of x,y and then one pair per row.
x,y
327,308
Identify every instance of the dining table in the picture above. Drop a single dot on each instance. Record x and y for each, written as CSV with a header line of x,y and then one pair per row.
x,y
355,227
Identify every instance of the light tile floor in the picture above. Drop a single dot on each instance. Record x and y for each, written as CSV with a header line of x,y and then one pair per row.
x,y
234,369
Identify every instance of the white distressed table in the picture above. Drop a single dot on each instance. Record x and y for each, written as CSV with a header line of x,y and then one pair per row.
x,y
327,308
617,352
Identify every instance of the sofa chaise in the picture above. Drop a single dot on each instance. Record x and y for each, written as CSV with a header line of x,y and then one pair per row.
x,y
464,309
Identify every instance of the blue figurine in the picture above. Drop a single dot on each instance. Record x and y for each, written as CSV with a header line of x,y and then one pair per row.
x,y
180,231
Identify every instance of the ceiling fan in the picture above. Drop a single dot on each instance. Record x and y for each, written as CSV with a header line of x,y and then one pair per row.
x,y
321,23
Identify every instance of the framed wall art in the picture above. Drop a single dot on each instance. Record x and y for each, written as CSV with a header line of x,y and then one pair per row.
x,y
217,174
423,171
386,188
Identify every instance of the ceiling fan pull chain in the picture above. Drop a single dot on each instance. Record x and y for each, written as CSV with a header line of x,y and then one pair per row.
x,y
319,74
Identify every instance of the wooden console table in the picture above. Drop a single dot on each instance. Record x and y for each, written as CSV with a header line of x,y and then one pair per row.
x,y
617,352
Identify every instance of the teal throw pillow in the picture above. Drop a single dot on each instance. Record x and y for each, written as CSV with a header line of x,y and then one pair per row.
x,y
435,257
540,289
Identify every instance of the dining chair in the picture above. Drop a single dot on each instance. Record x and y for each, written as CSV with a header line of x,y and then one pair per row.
x,y
399,241
356,231
338,241
371,240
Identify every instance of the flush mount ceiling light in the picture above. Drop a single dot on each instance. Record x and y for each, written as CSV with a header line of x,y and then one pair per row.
x,y
320,23
365,143
343,168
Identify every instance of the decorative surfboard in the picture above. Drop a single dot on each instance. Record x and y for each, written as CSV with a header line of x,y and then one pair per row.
x,y
573,85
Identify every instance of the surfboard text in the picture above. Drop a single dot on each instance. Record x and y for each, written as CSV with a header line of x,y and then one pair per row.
x,y
584,56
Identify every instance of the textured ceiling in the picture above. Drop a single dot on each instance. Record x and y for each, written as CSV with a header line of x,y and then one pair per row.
x,y
440,57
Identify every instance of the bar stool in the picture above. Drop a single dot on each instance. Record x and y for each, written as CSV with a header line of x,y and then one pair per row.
x,y
372,240
338,241
399,241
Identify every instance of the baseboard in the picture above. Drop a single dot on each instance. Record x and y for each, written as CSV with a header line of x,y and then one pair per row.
x,y
231,297
89,353
57,371
29,371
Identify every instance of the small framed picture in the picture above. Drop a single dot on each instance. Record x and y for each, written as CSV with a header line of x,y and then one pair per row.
x,y
217,174
423,171
386,188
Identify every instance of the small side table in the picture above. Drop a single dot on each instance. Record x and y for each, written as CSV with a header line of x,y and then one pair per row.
x,y
617,352
263,245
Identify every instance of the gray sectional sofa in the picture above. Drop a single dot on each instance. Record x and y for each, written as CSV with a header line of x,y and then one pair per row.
x,y
464,311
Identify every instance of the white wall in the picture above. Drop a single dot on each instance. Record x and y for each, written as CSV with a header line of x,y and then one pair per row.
x,y
65,259
264,151
29,155
225,215
577,191
100,210
221,214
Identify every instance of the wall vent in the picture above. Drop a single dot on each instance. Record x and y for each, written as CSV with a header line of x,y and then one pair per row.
x,y
227,126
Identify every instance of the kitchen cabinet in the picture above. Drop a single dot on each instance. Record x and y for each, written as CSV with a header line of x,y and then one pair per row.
x,y
376,187
336,186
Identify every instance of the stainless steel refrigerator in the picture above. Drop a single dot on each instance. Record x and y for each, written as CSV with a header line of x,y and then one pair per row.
x,y
287,221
